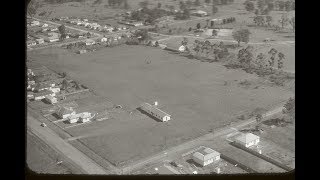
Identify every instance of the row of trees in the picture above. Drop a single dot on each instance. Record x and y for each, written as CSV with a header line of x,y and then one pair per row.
x,y
265,6
263,61
266,21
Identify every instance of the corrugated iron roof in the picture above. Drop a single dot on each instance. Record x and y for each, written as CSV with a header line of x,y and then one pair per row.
x,y
247,138
149,107
205,154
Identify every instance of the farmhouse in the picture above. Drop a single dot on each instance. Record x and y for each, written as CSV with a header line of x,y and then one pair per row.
x,y
199,13
206,156
35,23
43,94
40,41
81,117
31,43
216,21
44,25
43,86
247,139
104,39
89,42
65,112
155,112
52,39
82,51
51,99
55,90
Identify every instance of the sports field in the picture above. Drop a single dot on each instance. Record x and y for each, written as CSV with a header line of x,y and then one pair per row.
x,y
199,96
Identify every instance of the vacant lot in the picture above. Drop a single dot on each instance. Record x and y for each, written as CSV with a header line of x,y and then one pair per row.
x,y
194,93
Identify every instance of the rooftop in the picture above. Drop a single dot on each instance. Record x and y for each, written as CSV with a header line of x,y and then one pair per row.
x,y
205,154
247,138
149,107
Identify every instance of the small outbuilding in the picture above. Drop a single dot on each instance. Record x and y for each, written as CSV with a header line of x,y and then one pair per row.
x,y
206,156
51,99
247,139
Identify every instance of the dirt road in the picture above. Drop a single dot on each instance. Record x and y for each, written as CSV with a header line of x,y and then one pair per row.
x,y
53,140
171,152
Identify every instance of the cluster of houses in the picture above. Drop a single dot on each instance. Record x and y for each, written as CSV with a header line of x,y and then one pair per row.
x,y
41,90
72,117
92,25
51,34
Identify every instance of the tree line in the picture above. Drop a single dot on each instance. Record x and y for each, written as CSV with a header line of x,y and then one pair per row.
x,y
265,6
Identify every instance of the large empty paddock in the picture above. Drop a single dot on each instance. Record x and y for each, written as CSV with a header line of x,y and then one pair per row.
x,y
198,95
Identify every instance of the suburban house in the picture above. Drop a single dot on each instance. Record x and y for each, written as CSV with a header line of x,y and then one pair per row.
x,y
247,139
35,23
104,39
81,117
40,41
30,95
206,156
82,51
31,43
42,94
89,42
155,112
64,112
199,13
51,99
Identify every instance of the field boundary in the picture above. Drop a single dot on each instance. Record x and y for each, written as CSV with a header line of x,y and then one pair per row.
x,y
237,164
282,166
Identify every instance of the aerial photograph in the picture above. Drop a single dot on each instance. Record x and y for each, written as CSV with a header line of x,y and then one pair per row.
x,y
160,87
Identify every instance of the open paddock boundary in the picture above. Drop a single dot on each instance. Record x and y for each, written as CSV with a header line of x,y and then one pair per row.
x,y
261,156
238,164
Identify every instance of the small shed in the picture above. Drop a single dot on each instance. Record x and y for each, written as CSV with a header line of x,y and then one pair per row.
x,y
82,51
248,139
155,112
206,156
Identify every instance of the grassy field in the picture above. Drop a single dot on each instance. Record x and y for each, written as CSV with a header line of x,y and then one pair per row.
x,y
194,93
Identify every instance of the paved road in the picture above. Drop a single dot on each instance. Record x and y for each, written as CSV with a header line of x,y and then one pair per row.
x,y
53,140
171,152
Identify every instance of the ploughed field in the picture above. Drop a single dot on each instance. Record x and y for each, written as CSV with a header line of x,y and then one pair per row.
x,y
199,96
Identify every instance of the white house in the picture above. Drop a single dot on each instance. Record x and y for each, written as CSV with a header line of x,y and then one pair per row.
x,y
51,99
31,43
43,94
82,51
65,112
40,41
55,89
155,112
73,118
30,95
104,39
182,48
206,156
247,139
44,25
35,23
85,117
89,42
199,13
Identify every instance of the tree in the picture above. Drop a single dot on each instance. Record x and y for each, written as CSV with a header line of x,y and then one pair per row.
x,y
190,29
249,6
144,4
269,20
270,6
261,4
215,2
224,2
197,3
281,5
198,26
159,5
284,20
273,53
214,9
62,30
33,8
182,5
126,5
292,23
196,46
97,2
256,12
171,8
214,32
289,108
287,5
185,41
281,57
241,35
188,3
259,20
207,1
65,84
258,118
245,56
